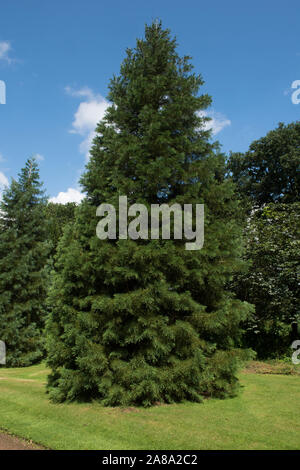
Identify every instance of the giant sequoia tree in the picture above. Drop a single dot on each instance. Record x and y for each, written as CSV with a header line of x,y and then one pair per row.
x,y
23,254
142,321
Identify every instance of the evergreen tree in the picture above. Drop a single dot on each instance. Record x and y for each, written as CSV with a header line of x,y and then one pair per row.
x,y
23,254
145,321
58,216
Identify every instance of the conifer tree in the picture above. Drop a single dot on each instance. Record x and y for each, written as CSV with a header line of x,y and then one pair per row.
x,y
23,254
146,321
58,215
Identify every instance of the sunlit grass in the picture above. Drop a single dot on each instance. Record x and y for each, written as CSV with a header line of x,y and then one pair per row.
x,y
265,415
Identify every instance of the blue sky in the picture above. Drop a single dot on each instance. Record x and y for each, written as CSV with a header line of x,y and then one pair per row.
x,y
56,58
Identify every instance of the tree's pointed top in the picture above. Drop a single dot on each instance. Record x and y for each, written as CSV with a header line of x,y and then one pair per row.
x,y
157,23
156,31
30,171
30,164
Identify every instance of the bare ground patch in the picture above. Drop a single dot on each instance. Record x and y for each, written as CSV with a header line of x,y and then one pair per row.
x,y
272,367
8,442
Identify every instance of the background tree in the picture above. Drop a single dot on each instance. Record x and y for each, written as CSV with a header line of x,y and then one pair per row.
x,y
136,322
270,170
272,282
23,254
268,177
58,215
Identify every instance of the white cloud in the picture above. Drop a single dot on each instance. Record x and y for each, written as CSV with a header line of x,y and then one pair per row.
x,y
3,183
71,195
217,122
85,92
5,48
87,116
39,157
3,180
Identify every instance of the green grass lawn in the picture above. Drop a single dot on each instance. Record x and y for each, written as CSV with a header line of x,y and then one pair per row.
x,y
266,415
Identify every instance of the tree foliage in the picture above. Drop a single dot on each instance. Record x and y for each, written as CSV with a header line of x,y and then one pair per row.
x,y
272,282
145,321
270,170
23,254
268,183
58,216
